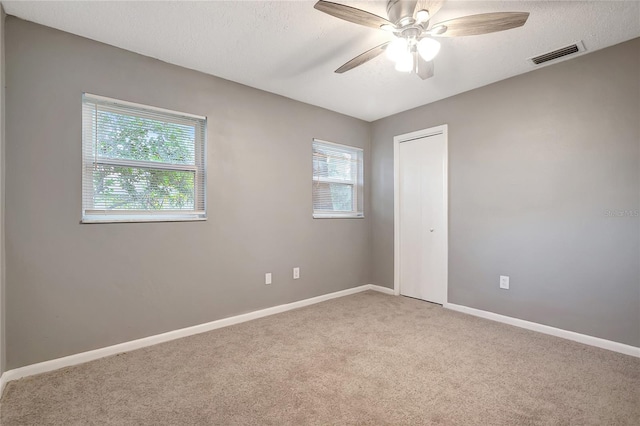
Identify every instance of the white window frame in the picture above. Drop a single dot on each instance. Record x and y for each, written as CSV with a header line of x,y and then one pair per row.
x,y
357,211
90,160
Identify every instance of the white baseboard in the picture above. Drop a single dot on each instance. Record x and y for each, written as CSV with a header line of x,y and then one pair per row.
x,y
558,332
67,361
83,357
385,290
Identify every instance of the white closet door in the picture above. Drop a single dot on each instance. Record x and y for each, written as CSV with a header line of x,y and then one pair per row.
x,y
423,221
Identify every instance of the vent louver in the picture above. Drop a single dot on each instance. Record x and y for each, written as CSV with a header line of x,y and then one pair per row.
x,y
558,54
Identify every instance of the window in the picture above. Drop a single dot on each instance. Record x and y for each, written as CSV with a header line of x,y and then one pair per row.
x,y
140,163
337,180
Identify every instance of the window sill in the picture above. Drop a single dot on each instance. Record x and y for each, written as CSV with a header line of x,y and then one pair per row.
x,y
139,219
338,216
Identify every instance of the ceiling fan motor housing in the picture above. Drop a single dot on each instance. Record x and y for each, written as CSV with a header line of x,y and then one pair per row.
x,y
398,9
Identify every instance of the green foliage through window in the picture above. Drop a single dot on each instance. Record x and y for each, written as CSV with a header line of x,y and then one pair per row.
x,y
126,137
129,188
337,179
135,138
141,160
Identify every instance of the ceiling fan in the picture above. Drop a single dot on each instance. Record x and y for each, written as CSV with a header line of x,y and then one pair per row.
x,y
413,49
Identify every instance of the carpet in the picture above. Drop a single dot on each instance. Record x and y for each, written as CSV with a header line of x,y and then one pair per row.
x,y
365,359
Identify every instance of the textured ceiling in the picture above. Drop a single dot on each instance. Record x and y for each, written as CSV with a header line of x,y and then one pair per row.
x,y
289,48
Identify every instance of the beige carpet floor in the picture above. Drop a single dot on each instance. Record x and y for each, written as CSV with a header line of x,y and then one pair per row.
x,y
362,359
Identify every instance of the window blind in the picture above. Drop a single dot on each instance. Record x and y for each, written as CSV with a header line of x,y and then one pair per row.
x,y
337,180
141,163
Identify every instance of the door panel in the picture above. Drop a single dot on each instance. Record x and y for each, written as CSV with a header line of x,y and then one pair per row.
x,y
423,233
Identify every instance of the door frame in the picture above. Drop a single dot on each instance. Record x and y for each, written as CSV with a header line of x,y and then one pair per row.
x,y
397,140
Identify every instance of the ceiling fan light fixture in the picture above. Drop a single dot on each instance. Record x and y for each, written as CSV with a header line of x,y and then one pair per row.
x,y
422,16
428,48
413,48
397,48
405,62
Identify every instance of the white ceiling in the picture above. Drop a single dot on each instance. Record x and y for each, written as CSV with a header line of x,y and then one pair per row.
x,y
289,48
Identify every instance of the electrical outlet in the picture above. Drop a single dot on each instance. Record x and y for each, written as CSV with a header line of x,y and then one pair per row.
x,y
296,273
504,282
267,278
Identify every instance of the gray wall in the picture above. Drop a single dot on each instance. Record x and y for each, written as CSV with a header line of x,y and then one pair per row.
x,y
78,287
535,161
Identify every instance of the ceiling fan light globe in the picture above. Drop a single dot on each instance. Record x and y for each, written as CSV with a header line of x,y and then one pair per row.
x,y
422,16
387,27
405,63
428,48
397,48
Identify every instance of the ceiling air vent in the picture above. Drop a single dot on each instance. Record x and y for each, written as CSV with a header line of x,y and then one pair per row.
x,y
557,54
